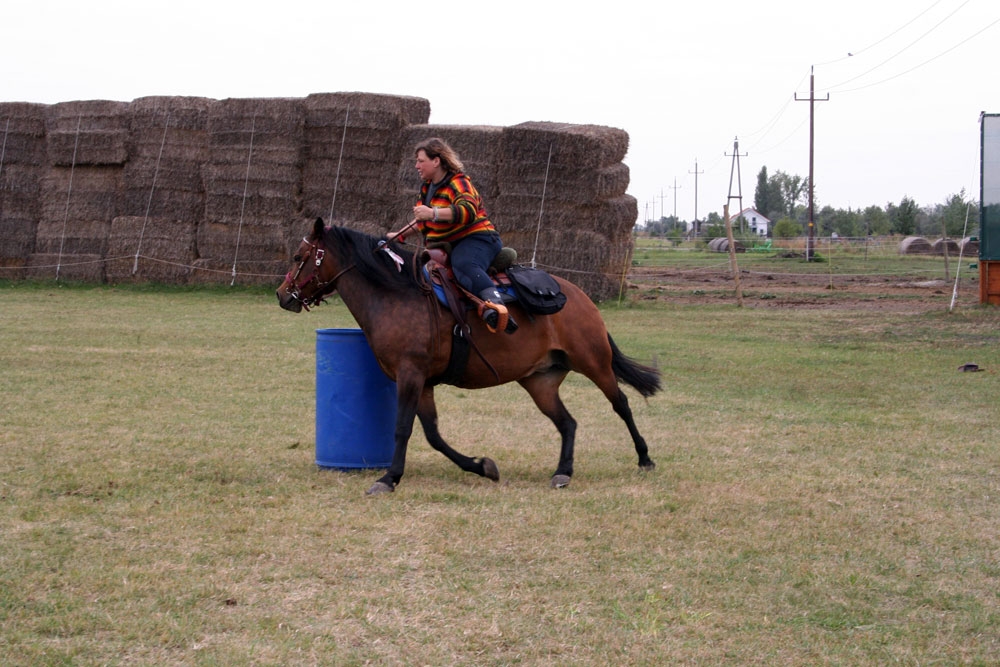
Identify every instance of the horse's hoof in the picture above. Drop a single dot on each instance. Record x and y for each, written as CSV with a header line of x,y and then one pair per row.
x,y
560,481
379,488
490,470
647,465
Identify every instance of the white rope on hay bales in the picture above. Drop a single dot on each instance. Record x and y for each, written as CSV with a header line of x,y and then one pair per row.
x,y
69,192
3,150
340,160
541,206
149,203
243,205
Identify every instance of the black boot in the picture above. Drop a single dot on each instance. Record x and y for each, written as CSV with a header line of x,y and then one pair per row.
x,y
493,315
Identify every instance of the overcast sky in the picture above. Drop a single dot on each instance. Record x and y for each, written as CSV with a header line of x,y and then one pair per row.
x,y
684,79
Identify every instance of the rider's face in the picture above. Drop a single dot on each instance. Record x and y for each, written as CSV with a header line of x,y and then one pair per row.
x,y
428,168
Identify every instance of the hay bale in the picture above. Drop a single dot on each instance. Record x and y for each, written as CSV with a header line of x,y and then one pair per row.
x,y
221,243
527,146
72,236
248,272
17,241
22,134
353,144
20,191
167,148
970,246
91,132
176,114
365,111
84,267
84,193
915,245
939,246
613,217
721,244
256,152
166,250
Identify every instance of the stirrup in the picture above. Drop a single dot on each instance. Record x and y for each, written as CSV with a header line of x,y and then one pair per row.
x,y
502,315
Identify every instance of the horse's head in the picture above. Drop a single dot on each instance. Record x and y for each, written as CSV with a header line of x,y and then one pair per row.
x,y
310,277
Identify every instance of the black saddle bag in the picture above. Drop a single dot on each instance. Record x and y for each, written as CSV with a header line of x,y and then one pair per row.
x,y
537,291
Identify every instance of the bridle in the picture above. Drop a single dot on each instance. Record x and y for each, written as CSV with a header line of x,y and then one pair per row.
x,y
322,289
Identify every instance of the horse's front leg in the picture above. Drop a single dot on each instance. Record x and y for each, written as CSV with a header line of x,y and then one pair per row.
x,y
427,412
407,398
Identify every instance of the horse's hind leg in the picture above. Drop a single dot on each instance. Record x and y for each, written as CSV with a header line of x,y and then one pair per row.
x,y
544,390
427,413
620,404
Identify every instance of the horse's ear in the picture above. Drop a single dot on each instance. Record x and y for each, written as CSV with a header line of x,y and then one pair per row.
x,y
318,229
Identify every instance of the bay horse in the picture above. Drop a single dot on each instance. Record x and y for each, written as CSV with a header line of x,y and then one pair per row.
x,y
412,335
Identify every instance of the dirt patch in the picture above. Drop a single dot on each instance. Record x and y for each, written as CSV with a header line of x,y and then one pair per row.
x,y
776,290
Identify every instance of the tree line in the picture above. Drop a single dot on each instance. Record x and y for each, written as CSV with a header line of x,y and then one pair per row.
x,y
784,199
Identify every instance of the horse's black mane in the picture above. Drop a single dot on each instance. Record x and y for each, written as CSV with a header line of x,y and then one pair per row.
x,y
360,249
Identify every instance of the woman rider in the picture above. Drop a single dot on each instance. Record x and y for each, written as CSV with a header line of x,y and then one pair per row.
x,y
451,211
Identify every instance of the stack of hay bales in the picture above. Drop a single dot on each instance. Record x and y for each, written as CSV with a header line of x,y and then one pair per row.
x,y
915,245
584,226
164,196
86,145
252,189
179,189
940,246
22,165
353,141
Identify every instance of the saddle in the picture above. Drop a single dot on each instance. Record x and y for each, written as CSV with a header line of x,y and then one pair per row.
x,y
437,269
535,290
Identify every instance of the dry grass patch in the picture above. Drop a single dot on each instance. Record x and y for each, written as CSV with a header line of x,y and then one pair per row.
x,y
824,494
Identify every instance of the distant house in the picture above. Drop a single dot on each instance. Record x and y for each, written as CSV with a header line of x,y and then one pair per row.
x,y
756,221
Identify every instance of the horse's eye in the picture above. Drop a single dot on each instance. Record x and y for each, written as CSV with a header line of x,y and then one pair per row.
x,y
297,258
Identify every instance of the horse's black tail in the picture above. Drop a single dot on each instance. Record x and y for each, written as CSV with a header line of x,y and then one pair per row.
x,y
644,379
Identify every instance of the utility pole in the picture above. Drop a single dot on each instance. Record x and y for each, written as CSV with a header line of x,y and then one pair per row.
x,y
697,224
663,209
812,187
735,169
676,187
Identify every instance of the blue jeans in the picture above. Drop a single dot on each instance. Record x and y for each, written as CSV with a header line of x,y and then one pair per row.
x,y
471,256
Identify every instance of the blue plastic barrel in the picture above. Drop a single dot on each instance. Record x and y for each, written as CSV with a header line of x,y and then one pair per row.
x,y
355,403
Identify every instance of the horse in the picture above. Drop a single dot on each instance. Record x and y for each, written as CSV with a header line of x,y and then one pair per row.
x,y
413,336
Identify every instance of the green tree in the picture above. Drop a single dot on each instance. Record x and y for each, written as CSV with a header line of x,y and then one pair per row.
x,y
954,213
903,218
875,221
787,228
791,189
767,196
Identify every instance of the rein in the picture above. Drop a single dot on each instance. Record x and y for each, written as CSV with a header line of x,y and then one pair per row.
x,y
324,288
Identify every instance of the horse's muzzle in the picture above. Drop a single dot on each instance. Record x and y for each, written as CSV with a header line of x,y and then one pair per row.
x,y
289,302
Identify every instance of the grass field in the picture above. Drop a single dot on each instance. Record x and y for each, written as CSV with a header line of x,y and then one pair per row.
x,y
826,493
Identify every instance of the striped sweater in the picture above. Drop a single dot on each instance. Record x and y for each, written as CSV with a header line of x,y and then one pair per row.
x,y
468,213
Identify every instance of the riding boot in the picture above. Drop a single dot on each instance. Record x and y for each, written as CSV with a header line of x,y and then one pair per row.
x,y
495,315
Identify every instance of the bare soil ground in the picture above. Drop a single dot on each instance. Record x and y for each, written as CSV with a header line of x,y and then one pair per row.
x,y
777,290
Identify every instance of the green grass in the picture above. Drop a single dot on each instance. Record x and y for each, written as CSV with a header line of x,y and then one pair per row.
x,y
880,258
825,494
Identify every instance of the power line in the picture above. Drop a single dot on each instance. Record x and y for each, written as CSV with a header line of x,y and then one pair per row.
x,y
874,44
905,48
926,62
